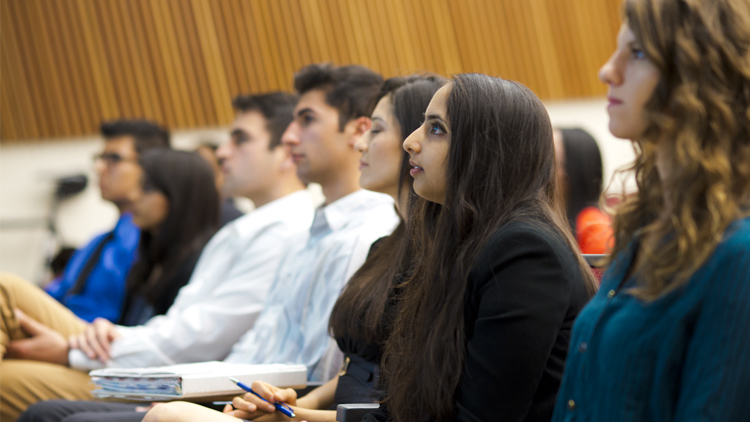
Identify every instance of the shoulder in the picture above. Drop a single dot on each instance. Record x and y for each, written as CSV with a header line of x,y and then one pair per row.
x,y
526,236
730,260
736,240
529,247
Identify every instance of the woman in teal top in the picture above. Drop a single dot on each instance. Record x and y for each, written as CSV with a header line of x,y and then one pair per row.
x,y
667,338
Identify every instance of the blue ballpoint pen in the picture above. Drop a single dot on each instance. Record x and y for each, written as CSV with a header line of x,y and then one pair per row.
x,y
281,407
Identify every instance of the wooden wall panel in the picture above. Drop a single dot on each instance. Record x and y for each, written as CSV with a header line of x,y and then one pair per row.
x,y
66,65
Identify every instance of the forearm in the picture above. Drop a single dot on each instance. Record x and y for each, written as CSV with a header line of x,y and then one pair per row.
x,y
313,415
321,397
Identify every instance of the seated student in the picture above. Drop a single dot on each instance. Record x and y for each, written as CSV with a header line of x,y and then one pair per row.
x,y
360,320
221,301
484,320
579,172
331,115
228,211
666,337
93,284
177,211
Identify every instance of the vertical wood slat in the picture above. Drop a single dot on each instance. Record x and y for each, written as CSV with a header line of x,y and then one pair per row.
x,y
67,65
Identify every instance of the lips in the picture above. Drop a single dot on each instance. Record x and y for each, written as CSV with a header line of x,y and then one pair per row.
x,y
362,164
614,101
297,157
415,169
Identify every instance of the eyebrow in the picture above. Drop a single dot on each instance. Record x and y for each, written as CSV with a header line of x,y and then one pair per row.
x,y
434,117
303,111
237,133
377,118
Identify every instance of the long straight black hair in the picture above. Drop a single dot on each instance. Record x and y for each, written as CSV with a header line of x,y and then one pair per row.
x,y
583,170
359,312
187,181
500,167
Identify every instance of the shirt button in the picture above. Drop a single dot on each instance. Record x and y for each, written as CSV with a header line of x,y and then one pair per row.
x,y
571,405
610,294
583,347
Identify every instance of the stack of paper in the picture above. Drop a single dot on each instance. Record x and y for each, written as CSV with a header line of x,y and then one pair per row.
x,y
205,379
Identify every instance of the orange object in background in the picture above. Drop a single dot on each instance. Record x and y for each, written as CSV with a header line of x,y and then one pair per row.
x,y
594,231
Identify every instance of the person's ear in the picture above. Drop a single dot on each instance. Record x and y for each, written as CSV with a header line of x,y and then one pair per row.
x,y
360,126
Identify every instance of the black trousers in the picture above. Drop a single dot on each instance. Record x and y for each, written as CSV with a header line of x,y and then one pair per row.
x,y
82,411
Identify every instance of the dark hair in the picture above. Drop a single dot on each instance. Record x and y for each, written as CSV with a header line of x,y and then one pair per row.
x,y
583,170
187,180
500,167
359,311
277,107
146,134
350,89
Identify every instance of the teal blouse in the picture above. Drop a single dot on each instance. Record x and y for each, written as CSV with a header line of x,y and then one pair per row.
x,y
683,357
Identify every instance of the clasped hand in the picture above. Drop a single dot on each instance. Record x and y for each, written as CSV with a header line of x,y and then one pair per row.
x,y
95,341
251,407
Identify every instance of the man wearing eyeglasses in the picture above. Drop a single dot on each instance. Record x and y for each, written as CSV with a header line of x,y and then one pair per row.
x,y
93,284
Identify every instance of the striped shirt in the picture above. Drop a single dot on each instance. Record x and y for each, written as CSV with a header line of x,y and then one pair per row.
x,y
682,357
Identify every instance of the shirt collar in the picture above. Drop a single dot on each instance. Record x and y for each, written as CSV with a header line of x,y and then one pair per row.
x,y
340,212
285,208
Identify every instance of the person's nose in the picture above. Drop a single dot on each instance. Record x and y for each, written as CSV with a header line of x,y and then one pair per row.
x,y
224,151
412,143
363,142
290,137
610,73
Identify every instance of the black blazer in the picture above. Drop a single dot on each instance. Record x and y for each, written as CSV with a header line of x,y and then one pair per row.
x,y
524,291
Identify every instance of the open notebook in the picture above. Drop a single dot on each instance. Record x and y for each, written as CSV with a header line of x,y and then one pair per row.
x,y
190,381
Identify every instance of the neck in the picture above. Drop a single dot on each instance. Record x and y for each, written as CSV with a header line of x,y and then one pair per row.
x,y
402,203
344,182
124,206
287,185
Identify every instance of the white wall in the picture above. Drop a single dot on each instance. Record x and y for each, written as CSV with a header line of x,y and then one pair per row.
x,y
27,171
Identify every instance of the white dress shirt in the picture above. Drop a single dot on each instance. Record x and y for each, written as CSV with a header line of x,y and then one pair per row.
x,y
293,327
224,296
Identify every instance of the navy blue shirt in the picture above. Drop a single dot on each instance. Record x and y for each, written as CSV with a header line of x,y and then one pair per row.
x,y
683,357
104,292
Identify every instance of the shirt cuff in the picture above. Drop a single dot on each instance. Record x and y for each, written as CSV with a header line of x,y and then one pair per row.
x,y
78,360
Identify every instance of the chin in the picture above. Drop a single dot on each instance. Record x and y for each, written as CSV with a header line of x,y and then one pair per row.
x,y
618,131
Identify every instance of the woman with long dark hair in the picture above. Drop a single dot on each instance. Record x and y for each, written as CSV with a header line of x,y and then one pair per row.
x,y
361,319
666,337
178,212
579,171
484,320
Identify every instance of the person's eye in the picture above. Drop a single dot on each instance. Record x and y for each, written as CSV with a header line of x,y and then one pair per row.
x,y
241,139
376,131
306,119
637,53
436,129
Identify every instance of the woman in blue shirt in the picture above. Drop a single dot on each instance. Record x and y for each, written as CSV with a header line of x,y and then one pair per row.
x,y
665,339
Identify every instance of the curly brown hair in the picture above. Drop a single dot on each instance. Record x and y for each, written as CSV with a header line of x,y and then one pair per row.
x,y
699,117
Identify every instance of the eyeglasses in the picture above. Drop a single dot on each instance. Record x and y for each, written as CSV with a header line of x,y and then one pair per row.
x,y
111,159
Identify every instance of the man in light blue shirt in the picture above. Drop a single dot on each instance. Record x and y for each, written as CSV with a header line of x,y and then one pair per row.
x,y
332,113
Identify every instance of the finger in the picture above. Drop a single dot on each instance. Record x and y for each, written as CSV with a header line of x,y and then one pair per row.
x,y
264,390
73,342
28,324
228,409
102,334
83,344
16,349
241,404
94,343
286,395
